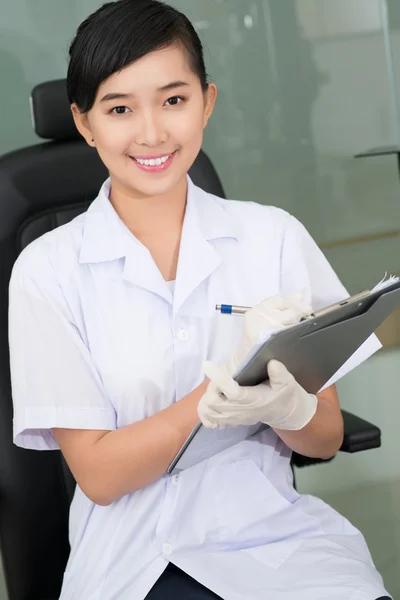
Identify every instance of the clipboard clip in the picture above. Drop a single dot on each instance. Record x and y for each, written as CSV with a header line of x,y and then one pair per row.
x,y
337,305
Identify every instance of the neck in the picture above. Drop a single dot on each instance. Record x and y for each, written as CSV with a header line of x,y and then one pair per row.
x,y
146,216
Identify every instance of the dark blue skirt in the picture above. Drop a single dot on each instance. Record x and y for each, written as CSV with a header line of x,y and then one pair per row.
x,y
174,584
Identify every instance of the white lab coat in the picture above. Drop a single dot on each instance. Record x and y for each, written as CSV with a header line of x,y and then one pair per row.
x,y
98,340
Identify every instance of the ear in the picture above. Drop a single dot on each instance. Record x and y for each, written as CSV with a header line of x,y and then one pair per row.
x,y
82,124
210,100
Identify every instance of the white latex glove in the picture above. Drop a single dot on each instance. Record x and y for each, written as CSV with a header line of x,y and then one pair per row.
x,y
280,402
271,314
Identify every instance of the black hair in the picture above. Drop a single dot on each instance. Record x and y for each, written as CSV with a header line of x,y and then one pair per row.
x,y
120,33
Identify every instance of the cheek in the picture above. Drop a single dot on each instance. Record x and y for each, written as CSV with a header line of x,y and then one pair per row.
x,y
114,140
188,127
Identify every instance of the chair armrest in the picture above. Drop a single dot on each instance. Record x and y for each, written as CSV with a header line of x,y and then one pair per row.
x,y
358,435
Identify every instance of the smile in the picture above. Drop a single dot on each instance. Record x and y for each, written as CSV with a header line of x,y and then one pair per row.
x,y
154,163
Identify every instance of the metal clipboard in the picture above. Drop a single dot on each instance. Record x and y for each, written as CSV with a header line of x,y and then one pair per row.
x,y
312,350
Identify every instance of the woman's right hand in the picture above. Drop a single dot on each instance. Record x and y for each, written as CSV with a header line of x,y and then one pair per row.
x,y
271,314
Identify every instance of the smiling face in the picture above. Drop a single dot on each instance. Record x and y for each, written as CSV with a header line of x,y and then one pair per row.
x,y
147,122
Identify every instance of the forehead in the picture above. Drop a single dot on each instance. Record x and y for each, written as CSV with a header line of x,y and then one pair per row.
x,y
151,72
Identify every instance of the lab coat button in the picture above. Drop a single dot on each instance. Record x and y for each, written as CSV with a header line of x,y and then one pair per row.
x,y
166,549
174,479
183,335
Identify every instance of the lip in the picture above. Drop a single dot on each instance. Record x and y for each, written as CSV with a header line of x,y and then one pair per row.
x,y
155,168
152,156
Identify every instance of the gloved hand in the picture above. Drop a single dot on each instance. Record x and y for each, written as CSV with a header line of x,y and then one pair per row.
x,y
280,402
271,314
227,404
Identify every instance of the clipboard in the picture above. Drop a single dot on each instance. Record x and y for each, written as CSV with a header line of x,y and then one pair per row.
x,y
313,350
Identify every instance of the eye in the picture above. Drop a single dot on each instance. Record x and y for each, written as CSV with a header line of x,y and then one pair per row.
x,y
175,100
119,110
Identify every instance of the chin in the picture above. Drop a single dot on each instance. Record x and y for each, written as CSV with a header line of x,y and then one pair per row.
x,y
155,186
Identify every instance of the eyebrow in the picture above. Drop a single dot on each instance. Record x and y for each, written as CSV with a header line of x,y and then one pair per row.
x,y
164,88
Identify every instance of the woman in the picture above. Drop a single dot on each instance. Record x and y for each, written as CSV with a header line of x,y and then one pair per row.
x,y
111,318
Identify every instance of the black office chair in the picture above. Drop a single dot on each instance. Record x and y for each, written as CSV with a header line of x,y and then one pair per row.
x,y
43,187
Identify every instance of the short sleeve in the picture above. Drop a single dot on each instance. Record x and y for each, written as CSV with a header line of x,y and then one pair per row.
x,y
305,269
54,381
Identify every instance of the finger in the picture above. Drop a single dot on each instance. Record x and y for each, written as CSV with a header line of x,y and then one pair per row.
x,y
204,409
274,320
284,302
217,403
214,419
300,305
278,374
220,377
292,315
206,419
267,320
297,303
208,415
276,302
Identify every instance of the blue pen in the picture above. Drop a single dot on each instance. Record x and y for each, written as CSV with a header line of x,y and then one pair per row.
x,y
229,309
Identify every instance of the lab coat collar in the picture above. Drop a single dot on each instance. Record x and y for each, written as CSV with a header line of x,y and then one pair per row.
x,y
106,238
204,211
206,219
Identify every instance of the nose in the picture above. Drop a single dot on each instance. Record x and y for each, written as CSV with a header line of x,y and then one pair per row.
x,y
150,131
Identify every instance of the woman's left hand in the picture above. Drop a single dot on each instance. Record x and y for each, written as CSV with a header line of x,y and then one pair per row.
x,y
280,402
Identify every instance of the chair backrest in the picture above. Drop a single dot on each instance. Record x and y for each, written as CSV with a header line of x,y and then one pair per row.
x,y
43,187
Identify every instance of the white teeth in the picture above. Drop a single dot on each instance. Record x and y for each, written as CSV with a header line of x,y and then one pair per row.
x,y
154,161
